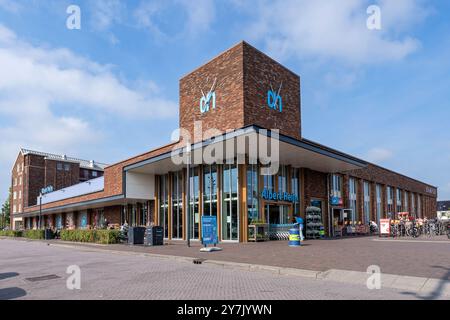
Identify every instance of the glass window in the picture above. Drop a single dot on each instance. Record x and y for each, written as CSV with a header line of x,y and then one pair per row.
x,y
295,187
66,167
366,202
14,195
352,189
390,201
59,166
82,222
406,202
379,203
177,205
164,204
15,182
252,193
230,220
269,182
282,179
194,202
210,190
336,186
399,200
20,180
94,174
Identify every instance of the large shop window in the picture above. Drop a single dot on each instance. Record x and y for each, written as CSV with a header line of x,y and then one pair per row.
x,y
336,186
352,189
390,201
269,183
252,193
295,184
230,208
177,205
379,203
164,204
194,202
282,180
210,190
406,202
399,200
366,202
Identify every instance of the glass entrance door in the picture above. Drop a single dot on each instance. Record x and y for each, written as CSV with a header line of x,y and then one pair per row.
x,y
277,214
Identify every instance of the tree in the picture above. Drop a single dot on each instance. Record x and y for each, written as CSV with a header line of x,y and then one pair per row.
x,y
6,212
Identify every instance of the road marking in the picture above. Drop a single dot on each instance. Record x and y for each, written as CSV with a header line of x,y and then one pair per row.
x,y
413,241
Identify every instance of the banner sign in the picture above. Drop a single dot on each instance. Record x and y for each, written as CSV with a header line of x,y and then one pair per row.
x,y
209,230
385,227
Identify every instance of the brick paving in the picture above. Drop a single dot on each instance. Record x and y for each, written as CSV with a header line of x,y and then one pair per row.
x,y
105,275
429,258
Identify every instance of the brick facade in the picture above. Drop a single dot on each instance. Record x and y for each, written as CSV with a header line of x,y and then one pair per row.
x,y
243,77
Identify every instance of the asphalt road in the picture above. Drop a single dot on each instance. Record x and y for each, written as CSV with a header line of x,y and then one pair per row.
x,y
108,275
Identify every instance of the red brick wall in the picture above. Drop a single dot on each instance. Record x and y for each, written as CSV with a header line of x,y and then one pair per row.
x,y
244,76
262,73
229,112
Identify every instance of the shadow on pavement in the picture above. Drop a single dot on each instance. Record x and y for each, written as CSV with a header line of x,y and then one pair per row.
x,y
12,293
7,275
436,293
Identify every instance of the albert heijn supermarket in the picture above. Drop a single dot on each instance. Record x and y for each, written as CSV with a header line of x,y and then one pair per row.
x,y
238,94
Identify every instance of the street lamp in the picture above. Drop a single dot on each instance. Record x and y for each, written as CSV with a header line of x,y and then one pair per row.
x,y
188,197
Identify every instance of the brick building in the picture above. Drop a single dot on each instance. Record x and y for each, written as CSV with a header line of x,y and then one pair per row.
x,y
230,111
33,171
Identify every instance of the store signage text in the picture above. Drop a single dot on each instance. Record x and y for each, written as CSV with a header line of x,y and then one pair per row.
x,y
279,196
46,190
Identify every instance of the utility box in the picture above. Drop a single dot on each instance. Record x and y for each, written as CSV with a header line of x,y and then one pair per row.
x,y
154,236
136,235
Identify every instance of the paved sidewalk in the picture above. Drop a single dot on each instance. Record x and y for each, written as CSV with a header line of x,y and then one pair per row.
x,y
107,274
417,258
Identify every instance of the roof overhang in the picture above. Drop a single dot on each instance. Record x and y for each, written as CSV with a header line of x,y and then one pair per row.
x,y
297,153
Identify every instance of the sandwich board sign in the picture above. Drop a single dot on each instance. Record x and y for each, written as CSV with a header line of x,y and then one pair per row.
x,y
209,230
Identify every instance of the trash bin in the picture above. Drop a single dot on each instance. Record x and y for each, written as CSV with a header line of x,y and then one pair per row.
x,y
294,237
154,236
136,235
48,234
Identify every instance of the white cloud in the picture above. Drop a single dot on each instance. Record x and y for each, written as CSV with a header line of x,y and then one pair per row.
x,y
378,155
105,13
335,29
200,15
48,98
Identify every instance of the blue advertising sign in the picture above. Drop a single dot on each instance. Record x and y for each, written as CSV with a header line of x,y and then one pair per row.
x,y
335,201
209,230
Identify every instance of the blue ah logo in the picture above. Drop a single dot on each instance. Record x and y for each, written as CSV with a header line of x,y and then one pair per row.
x,y
274,100
209,100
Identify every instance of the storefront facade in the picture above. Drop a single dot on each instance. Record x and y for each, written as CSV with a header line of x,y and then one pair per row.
x,y
242,93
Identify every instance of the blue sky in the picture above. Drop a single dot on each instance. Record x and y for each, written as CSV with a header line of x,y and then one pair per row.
x,y
110,90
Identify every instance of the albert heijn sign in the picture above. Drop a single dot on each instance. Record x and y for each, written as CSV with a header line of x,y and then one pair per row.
x,y
278,196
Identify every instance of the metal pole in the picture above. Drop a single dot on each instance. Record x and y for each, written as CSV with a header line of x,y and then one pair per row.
x,y
40,210
188,207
